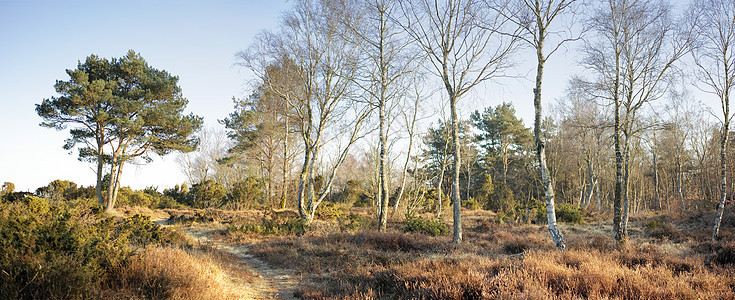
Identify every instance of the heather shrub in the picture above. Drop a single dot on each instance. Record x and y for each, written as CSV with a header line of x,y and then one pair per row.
x,y
662,228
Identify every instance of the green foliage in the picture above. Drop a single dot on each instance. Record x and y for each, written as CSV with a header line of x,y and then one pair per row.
x,y
352,193
206,194
425,226
123,100
7,188
569,214
63,250
177,193
472,204
501,130
500,199
661,227
331,211
247,194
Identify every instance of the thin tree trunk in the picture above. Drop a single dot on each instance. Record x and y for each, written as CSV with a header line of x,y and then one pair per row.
x,y
626,186
679,176
593,182
408,158
723,173
457,236
303,186
556,236
382,178
117,183
655,181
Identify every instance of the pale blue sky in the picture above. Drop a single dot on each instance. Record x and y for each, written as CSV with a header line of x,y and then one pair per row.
x,y
39,40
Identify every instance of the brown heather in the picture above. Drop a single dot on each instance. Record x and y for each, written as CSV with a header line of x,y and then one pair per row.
x,y
502,261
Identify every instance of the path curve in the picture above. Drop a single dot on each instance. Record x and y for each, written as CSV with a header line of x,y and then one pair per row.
x,y
269,284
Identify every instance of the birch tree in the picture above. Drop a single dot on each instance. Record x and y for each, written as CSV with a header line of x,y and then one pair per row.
x,y
311,67
465,47
633,55
714,56
388,61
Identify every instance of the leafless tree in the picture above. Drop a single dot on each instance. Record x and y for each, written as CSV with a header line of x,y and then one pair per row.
x,y
388,60
464,44
312,67
633,55
714,55
536,17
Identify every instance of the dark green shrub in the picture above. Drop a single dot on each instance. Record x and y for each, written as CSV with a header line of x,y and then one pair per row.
x,y
63,250
351,193
55,250
206,194
247,194
662,228
501,199
569,214
425,226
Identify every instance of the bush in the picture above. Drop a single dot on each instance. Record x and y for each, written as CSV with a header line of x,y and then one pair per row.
x,y
51,251
331,211
62,250
662,228
247,194
206,194
272,223
569,214
425,226
354,222
501,199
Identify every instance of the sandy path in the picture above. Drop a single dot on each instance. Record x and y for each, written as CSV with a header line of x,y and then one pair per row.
x,y
269,284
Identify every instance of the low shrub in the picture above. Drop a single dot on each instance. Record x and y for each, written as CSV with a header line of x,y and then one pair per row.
x,y
63,249
425,226
569,214
355,222
331,211
268,226
662,228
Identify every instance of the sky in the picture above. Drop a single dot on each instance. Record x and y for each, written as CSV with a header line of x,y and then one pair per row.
x,y
195,40
39,40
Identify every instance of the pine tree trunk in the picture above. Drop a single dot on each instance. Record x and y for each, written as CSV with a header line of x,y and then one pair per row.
x,y
100,169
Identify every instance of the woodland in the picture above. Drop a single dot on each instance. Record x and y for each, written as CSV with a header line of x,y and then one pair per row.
x,y
351,172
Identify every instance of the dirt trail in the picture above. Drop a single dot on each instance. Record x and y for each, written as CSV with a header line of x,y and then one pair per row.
x,y
269,283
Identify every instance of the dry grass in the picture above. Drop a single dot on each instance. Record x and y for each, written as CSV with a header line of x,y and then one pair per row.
x,y
172,273
671,260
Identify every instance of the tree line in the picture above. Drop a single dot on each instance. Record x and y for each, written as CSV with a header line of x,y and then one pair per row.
x,y
340,75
